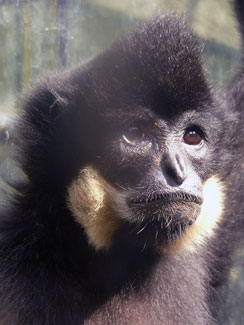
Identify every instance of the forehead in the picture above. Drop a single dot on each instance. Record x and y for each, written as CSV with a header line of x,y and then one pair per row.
x,y
150,118
157,66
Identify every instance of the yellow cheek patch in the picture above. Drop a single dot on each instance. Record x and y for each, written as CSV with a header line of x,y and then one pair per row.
x,y
90,202
207,221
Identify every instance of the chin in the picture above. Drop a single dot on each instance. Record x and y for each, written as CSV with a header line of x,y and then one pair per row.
x,y
160,222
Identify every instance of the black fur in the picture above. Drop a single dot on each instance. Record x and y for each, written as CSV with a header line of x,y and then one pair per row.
x,y
49,274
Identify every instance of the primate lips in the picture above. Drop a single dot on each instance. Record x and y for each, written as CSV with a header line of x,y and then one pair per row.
x,y
163,198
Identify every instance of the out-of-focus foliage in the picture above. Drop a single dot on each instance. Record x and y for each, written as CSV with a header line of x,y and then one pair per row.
x,y
41,36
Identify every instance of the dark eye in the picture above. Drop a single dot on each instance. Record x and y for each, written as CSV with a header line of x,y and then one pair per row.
x,y
134,135
193,136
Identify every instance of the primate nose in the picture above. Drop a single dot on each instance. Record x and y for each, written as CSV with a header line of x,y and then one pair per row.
x,y
174,168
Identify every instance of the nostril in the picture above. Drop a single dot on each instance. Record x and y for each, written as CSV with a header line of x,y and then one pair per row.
x,y
174,169
176,175
180,178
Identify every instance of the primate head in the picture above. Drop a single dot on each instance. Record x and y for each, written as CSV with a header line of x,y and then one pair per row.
x,y
130,140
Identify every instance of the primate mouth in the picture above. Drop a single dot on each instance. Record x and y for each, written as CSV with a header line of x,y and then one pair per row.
x,y
163,198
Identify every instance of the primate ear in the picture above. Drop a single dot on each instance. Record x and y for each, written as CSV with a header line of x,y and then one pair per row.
x,y
41,111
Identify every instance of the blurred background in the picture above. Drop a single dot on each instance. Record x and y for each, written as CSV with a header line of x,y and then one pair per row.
x,y
41,36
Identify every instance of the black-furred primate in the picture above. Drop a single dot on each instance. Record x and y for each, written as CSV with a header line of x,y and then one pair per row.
x,y
134,198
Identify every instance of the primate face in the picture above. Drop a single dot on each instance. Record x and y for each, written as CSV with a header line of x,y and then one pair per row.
x,y
152,177
153,165
154,129
160,189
